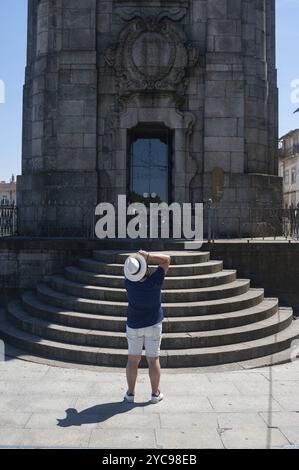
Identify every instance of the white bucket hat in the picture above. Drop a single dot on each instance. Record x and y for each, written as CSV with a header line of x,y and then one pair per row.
x,y
135,268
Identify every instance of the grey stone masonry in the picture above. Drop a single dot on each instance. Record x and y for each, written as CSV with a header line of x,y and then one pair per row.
x,y
99,69
59,183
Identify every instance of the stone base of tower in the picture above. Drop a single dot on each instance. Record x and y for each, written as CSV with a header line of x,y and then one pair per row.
x,y
57,204
250,206
62,204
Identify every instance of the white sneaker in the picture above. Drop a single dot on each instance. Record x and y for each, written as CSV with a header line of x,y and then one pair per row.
x,y
157,398
129,398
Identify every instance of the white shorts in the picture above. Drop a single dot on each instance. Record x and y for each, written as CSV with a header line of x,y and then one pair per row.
x,y
149,337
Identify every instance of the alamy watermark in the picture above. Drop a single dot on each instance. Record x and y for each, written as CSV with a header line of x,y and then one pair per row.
x,y
150,222
294,354
295,93
2,351
2,92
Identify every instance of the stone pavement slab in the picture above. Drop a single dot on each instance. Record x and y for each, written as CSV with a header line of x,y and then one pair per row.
x,y
44,406
291,433
248,437
131,421
53,420
187,421
13,419
264,388
281,418
288,401
237,420
244,403
240,377
123,439
42,402
193,404
189,388
45,438
189,438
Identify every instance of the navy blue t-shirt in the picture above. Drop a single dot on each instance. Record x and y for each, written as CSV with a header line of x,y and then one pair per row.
x,y
145,300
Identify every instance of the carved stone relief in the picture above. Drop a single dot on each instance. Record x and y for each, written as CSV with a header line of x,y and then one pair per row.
x,y
152,54
173,13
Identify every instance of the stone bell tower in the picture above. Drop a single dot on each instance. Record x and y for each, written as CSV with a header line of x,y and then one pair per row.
x,y
174,100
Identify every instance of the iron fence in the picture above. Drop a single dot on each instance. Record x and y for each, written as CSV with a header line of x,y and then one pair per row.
x,y
82,227
8,220
248,222
252,222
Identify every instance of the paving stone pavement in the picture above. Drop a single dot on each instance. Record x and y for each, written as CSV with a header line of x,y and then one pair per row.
x,y
45,406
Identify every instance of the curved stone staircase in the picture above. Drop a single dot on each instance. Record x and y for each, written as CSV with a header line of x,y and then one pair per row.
x,y
211,317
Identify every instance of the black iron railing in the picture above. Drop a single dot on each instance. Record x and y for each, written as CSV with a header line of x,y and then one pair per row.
x,y
8,220
252,222
249,222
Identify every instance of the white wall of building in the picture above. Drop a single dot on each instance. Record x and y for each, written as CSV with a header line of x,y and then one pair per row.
x,y
289,167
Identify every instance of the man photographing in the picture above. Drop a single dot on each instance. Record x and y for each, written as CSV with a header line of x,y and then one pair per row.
x,y
145,317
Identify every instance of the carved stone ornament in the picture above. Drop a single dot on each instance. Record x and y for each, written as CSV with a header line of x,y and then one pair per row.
x,y
174,13
152,54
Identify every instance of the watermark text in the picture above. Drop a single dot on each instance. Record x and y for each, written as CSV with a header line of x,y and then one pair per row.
x,y
158,220
2,92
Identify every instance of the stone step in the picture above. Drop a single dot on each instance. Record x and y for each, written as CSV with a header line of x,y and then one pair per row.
x,y
35,307
78,336
161,245
211,317
177,257
104,307
194,357
114,294
76,274
178,270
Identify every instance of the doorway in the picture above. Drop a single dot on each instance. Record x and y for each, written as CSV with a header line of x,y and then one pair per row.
x,y
149,164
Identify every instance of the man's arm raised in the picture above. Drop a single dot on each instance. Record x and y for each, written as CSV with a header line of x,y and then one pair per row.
x,y
160,259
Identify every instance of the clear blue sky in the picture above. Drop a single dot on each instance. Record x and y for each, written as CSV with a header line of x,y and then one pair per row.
x,y
13,17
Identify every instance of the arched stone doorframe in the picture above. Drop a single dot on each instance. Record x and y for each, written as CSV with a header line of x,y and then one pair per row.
x,y
182,124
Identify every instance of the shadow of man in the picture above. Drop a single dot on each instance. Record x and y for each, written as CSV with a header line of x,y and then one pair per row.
x,y
97,413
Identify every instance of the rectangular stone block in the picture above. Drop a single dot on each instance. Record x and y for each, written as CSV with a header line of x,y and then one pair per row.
x,y
82,39
216,88
78,19
217,159
234,8
37,129
76,159
85,77
104,23
90,140
217,127
228,44
235,87
79,4
78,57
225,107
199,11
71,107
70,140
237,162
224,144
217,9
222,27
37,148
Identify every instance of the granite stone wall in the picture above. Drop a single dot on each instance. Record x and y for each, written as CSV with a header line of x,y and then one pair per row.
x,y
97,69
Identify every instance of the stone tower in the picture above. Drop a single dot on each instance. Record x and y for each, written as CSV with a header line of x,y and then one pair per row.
x,y
174,99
